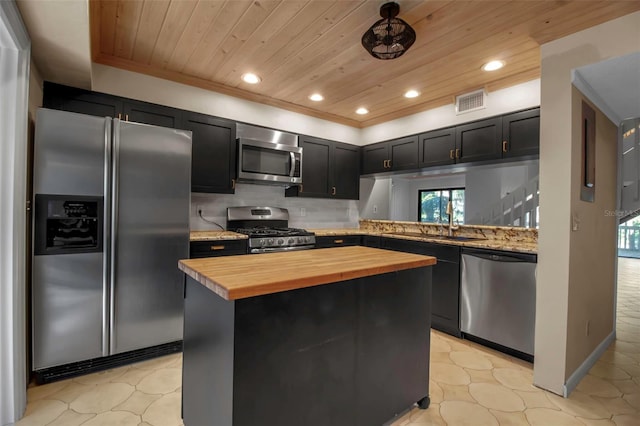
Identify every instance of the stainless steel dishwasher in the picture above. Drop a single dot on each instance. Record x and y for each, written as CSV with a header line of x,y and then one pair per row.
x,y
498,297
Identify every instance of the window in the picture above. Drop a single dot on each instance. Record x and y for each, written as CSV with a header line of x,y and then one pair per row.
x,y
432,205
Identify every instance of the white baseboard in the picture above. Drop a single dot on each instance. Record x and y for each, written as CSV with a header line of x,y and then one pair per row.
x,y
584,368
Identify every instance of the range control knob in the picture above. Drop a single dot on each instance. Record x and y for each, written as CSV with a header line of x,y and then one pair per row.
x,y
290,241
280,241
270,241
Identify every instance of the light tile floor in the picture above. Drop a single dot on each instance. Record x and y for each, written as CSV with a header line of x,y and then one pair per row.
x,y
470,385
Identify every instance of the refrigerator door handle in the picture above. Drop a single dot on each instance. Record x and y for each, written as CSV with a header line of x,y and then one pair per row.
x,y
106,244
115,167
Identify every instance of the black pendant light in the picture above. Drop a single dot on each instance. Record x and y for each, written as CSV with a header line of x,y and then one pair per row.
x,y
390,37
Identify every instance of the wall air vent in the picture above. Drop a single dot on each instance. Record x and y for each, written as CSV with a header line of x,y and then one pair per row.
x,y
471,102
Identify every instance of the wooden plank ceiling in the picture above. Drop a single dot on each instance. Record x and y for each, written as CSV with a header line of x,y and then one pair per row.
x,y
299,47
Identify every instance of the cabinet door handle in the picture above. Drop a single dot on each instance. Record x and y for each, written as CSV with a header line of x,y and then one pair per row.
x,y
338,241
389,163
126,117
233,184
333,190
451,156
301,188
217,247
457,152
120,116
504,146
384,164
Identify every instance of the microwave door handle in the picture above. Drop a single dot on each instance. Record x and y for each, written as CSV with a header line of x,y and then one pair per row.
x,y
293,163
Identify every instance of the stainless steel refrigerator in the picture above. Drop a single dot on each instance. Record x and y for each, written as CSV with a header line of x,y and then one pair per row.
x,y
111,220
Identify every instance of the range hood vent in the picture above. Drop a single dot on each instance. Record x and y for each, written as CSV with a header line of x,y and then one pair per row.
x,y
472,101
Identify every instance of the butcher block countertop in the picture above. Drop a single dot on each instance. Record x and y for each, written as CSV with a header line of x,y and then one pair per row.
x,y
238,277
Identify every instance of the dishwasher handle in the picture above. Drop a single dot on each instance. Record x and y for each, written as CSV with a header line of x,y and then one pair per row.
x,y
498,256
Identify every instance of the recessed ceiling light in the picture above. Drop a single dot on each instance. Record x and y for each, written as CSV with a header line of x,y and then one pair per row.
x,y
316,97
493,65
251,78
362,111
412,94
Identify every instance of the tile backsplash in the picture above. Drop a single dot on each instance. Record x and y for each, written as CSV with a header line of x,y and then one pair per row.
x,y
303,212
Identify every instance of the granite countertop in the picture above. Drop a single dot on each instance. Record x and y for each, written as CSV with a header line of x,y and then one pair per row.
x,y
216,236
478,241
515,246
238,277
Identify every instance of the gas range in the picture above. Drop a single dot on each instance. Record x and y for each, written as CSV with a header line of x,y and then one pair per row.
x,y
267,229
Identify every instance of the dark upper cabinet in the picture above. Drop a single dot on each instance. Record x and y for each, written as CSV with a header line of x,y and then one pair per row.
x,y
521,133
157,115
375,157
65,98
316,169
71,99
403,153
213,156
397,154
445,289
329,170
479,141
346,173
437,148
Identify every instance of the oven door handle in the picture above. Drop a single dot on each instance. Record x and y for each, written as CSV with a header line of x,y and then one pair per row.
x,y
293,163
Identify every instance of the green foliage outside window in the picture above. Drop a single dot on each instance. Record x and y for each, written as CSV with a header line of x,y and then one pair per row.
x,y
433,205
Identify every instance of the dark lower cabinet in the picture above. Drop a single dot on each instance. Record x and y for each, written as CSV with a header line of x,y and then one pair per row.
x,y
371,241
338,241
445,290
199,249
213,155
521,133
352,353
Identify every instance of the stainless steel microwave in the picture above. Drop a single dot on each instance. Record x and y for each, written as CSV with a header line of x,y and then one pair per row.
x,y
270,157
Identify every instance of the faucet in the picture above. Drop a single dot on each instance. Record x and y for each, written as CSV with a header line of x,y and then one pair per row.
x,y
441,226
450,213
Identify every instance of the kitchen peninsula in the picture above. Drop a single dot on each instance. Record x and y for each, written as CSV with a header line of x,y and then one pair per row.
x,y
329,336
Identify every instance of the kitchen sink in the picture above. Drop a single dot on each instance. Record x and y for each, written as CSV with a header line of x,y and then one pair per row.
x,y
454,238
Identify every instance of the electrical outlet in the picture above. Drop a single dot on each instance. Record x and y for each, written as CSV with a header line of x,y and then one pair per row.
x,y
303,211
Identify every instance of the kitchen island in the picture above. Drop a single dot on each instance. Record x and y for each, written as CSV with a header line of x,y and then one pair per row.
x,y
336,336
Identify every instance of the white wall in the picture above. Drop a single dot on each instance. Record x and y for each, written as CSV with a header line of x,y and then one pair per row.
x,y
486,186
319,213
133,85
521,96
614,38
151,89
404,193
375,197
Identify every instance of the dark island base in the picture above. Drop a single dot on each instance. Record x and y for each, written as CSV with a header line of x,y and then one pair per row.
x,y
348,353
